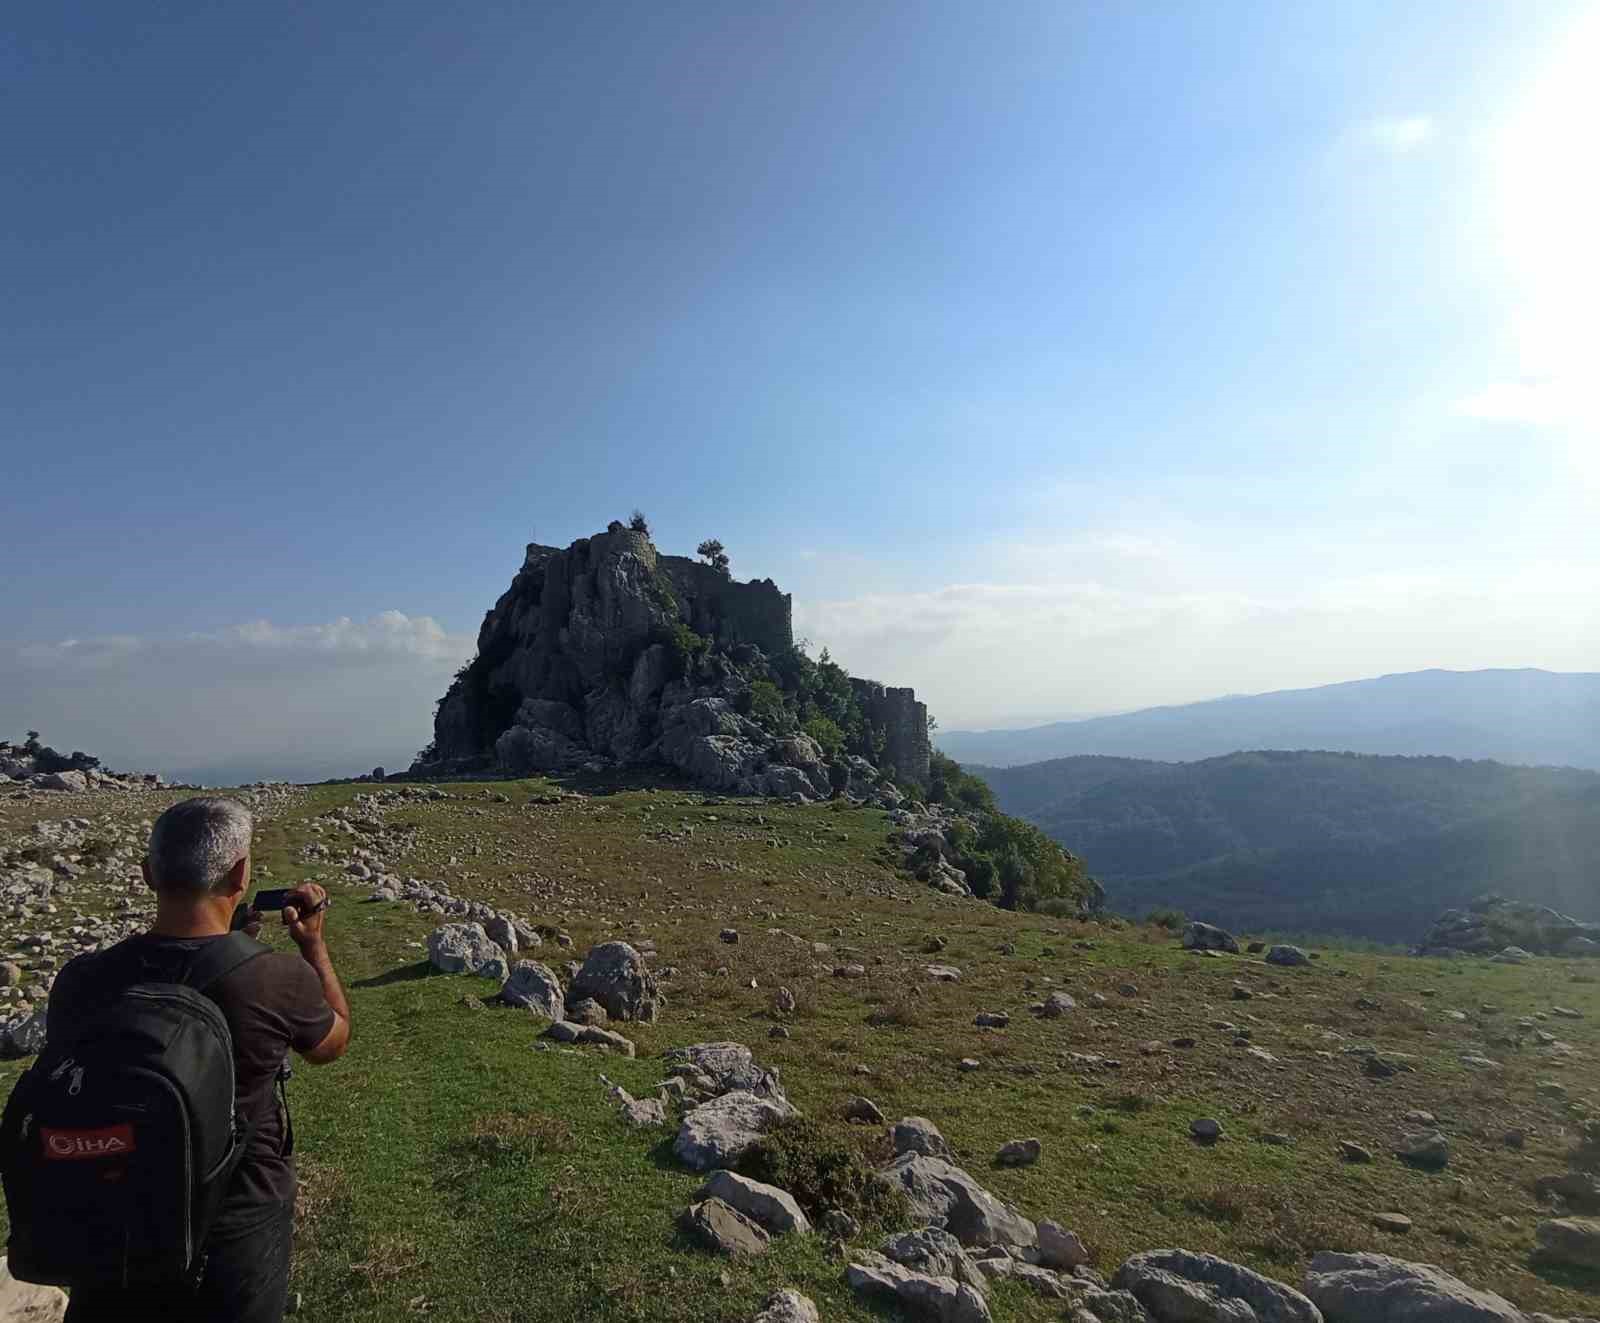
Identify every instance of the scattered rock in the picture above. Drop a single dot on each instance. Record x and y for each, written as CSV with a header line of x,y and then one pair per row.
x,y
863,1110
1056,1005
787,1306
934,1252
1288,956
783,1001
1373,1288
942,1193
1206,1129
1206,937
943,973
942,1299
23,1302
722,1228
1351,1151
564,1031
614,974
1396,1223
1059,1248
774,1209
1177,1286
991,1020
729,935
586,1010
1018,1153
1574,1241
464,948
535,987
1429,1150
917,1134
718,1133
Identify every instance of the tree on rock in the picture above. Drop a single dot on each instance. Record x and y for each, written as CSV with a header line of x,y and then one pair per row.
x,y
711,551
638,523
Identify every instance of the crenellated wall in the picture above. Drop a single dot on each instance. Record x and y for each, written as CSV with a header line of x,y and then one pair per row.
x,y
905,726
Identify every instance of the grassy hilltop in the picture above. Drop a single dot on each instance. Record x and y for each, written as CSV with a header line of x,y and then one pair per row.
x,y
451,1171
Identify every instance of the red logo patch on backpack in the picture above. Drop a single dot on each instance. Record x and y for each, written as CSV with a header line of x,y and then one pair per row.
x,y
108,1141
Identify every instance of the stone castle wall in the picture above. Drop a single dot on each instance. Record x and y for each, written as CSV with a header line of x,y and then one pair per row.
x,y
732,612
905,725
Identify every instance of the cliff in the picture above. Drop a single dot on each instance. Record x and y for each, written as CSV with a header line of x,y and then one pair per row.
x,y
610,653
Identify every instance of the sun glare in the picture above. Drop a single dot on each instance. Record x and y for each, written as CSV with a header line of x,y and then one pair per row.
x,y
1549,213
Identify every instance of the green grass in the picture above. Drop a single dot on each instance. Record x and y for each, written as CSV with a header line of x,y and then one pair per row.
x,y
452,1171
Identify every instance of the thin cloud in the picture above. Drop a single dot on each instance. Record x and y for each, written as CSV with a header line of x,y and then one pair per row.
x,y
1554,402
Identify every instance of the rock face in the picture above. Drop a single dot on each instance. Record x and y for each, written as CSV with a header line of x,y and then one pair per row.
x,y
614,975
1492,924
1177,1286
1367,1288
609,651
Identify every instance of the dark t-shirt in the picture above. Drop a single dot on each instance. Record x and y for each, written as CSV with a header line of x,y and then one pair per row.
x,y
272,1003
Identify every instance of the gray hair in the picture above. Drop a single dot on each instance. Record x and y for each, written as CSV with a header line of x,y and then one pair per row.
x,y
195,842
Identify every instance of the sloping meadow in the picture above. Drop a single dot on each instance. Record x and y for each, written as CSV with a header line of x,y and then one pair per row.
x,y
457,1165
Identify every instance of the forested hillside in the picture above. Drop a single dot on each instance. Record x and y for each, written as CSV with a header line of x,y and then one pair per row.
x,y
1330,842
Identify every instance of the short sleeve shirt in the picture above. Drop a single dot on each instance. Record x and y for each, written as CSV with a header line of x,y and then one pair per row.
x,y
272,1004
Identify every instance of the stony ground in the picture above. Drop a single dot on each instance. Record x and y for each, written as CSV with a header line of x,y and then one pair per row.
x,y
451,1170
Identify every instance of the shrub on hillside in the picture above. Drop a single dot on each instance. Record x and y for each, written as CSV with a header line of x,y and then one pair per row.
x,y
1168,918
823,1171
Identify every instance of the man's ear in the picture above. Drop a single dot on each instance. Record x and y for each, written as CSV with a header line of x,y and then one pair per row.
x,y
144,867
238,877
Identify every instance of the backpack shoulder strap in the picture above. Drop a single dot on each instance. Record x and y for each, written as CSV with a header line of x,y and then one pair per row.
x,y
219,959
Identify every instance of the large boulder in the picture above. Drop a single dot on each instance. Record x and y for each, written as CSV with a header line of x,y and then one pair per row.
x,y
1287,955
1374,1288
464,948
535,987
944,1195
940,1299
718,1133
1207,937
615,975
1178,1286
70,780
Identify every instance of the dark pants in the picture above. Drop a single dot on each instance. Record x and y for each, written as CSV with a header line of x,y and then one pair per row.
x,y
246,1280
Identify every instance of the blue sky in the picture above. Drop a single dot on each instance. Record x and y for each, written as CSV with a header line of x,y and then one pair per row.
x,y
1060,358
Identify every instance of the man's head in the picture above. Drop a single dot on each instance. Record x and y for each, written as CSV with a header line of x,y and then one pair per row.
x,y
200,850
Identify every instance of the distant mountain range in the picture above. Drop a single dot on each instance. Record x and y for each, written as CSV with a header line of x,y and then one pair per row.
x,y
1318,842
1524,716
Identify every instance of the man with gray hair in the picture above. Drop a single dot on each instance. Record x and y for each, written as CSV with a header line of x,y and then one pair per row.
x,y
199,869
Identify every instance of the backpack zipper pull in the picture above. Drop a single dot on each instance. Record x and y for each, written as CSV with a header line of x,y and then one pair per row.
x,y
27,1124
76,1086
62,1069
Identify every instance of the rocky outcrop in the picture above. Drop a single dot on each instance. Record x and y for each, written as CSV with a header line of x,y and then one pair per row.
x,y
38,767
1492,924
611,654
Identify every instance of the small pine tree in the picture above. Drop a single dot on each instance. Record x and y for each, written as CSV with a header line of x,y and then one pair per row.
x,y
638,523
711,551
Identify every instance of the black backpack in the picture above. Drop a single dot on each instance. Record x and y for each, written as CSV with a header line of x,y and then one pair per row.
x,y
119,1142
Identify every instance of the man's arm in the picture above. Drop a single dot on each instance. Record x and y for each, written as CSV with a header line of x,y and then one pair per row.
x,y
304,921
